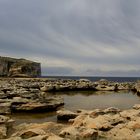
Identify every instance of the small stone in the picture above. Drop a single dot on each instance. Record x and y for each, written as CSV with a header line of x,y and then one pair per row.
x,y
136,106
65,115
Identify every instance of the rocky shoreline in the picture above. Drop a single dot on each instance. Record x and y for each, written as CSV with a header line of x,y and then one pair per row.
x,y
97,124
37,95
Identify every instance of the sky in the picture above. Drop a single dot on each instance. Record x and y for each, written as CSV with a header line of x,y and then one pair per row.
x,y
73,37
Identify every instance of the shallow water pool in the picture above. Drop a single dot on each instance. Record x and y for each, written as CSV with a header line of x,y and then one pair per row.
x,y
83,100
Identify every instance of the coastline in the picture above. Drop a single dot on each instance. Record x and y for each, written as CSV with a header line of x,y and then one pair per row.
x,y
36,95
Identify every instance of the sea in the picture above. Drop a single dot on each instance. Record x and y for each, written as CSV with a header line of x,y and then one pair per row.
x,y
96,78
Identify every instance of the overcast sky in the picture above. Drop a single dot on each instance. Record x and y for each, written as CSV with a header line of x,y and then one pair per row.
x,y
73,37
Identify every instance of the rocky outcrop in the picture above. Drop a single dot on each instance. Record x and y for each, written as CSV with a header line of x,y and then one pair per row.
x,y
18,104
111,124
24,95
97,124
19,67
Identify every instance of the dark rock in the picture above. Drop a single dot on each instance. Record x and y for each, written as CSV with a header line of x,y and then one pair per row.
x,y
65,115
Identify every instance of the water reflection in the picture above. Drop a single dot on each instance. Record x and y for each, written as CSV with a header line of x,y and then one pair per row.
x,y
99,99
33,117
84,100
89,93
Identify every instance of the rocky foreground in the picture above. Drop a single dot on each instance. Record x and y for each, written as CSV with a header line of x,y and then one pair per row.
x,y
108,124
37,95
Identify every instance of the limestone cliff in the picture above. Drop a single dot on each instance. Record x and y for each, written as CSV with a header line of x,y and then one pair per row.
x,y
13,67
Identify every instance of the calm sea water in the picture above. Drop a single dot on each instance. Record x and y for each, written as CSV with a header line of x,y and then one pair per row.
x,y
116,79
84,100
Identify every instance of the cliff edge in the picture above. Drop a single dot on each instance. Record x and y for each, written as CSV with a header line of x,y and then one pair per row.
x,y
12,67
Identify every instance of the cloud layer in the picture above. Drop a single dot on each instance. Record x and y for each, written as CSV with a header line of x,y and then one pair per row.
x,y
73,37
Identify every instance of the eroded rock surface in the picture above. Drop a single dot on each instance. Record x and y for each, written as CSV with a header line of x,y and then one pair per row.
x,y
24,95
19,67
97,124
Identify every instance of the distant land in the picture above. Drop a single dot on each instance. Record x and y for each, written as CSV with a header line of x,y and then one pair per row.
x,y
12,67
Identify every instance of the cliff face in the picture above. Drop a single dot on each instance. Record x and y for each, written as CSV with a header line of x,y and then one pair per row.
x,y
12,67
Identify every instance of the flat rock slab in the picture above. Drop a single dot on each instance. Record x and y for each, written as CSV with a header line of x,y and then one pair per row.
x,y
66,115
18,104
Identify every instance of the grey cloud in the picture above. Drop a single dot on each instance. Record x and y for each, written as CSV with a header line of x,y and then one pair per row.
x,y
57,71
86,33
